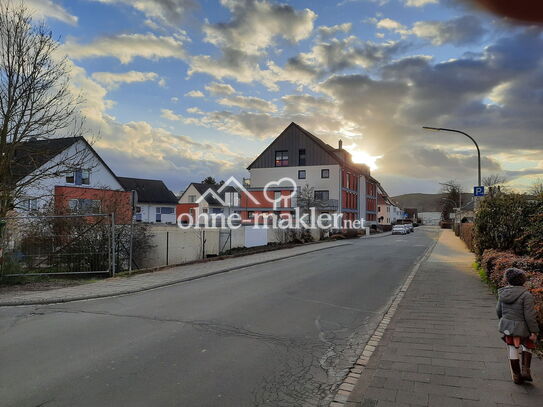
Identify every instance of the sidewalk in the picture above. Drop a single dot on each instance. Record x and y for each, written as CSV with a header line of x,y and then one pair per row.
x,y
441,347
141,282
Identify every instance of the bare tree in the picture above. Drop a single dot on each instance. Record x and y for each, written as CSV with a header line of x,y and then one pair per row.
x,y
451,195
537,188
494,180
35,104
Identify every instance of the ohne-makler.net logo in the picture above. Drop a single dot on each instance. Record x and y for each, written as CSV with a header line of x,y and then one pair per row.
x,y
310,217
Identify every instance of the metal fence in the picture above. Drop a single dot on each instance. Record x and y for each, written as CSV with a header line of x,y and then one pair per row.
x,y
62,245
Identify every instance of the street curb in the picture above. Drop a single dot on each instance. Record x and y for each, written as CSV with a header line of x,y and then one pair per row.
x,y
349,382
159,285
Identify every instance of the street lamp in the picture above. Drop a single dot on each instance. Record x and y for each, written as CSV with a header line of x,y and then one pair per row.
x,y
471,138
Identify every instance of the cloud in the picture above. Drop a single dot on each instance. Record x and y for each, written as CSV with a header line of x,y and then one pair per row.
x,y
459,31
245,124
419,3
113,80
170,115
327,31
248,103
50,9
126,47
255,25
195,94
393,25
215,88
170,12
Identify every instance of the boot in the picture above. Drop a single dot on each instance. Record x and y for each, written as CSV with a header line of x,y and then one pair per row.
x,y
526,362
515,371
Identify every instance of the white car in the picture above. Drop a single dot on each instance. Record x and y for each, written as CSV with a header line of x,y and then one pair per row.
x,y
399,230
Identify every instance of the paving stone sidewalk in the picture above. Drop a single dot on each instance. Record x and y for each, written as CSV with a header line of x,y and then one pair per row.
x,y
140,282
442,347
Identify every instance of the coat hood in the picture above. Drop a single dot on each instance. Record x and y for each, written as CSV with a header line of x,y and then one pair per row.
x,y
510,294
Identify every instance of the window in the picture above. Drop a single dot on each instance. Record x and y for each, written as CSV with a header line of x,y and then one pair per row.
x,y
29,204
301,174
301,157
281,158
85,206
325,173
78,177
277,198
378,209
163,211
139,215
322,196
192,198
85,177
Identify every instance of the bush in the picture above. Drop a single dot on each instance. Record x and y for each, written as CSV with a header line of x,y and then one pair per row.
x,y
509,222
465,231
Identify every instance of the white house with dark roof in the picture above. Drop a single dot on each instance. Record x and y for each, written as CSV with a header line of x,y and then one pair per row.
x,y
70,164
155,202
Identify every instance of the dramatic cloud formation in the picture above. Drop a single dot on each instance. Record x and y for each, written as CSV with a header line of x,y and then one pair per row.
x,y
247,68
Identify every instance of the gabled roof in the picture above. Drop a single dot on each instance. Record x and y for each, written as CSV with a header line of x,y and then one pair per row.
x,y
31,155
342,157
209,198
149,190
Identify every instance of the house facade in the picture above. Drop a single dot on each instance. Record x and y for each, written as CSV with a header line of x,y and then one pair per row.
x,y
80,181
339,185
155,203
388,211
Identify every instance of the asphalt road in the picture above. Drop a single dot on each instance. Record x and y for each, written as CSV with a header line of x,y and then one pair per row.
x,y
277,334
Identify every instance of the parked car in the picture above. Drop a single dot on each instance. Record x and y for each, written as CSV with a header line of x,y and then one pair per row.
x,y
410,227
399,230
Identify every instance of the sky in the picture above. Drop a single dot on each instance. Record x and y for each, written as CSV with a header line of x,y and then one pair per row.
x,y
181,89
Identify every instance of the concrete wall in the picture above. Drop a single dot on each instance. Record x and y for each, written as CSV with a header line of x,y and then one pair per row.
x,y
173,245
430,218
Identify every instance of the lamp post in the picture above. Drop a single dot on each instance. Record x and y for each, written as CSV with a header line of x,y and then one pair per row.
x,y
471,138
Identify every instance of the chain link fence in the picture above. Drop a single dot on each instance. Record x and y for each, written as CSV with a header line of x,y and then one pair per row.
x,y
61,245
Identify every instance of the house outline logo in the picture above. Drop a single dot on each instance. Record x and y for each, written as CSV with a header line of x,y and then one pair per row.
x,y
233,181
229,182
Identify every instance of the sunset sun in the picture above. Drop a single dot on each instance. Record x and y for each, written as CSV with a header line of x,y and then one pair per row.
x,y
362,157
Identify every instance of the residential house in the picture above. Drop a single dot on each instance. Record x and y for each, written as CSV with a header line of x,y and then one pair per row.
x,y
388,211
68,175
155,202
205,198
339,184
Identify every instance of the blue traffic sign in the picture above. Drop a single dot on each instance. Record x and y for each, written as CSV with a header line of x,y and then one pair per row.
x,y
479,191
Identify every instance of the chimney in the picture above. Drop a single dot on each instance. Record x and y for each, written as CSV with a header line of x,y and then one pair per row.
x,y
340,144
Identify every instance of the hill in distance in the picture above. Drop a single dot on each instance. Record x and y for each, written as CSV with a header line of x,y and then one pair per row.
x,y
426,202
